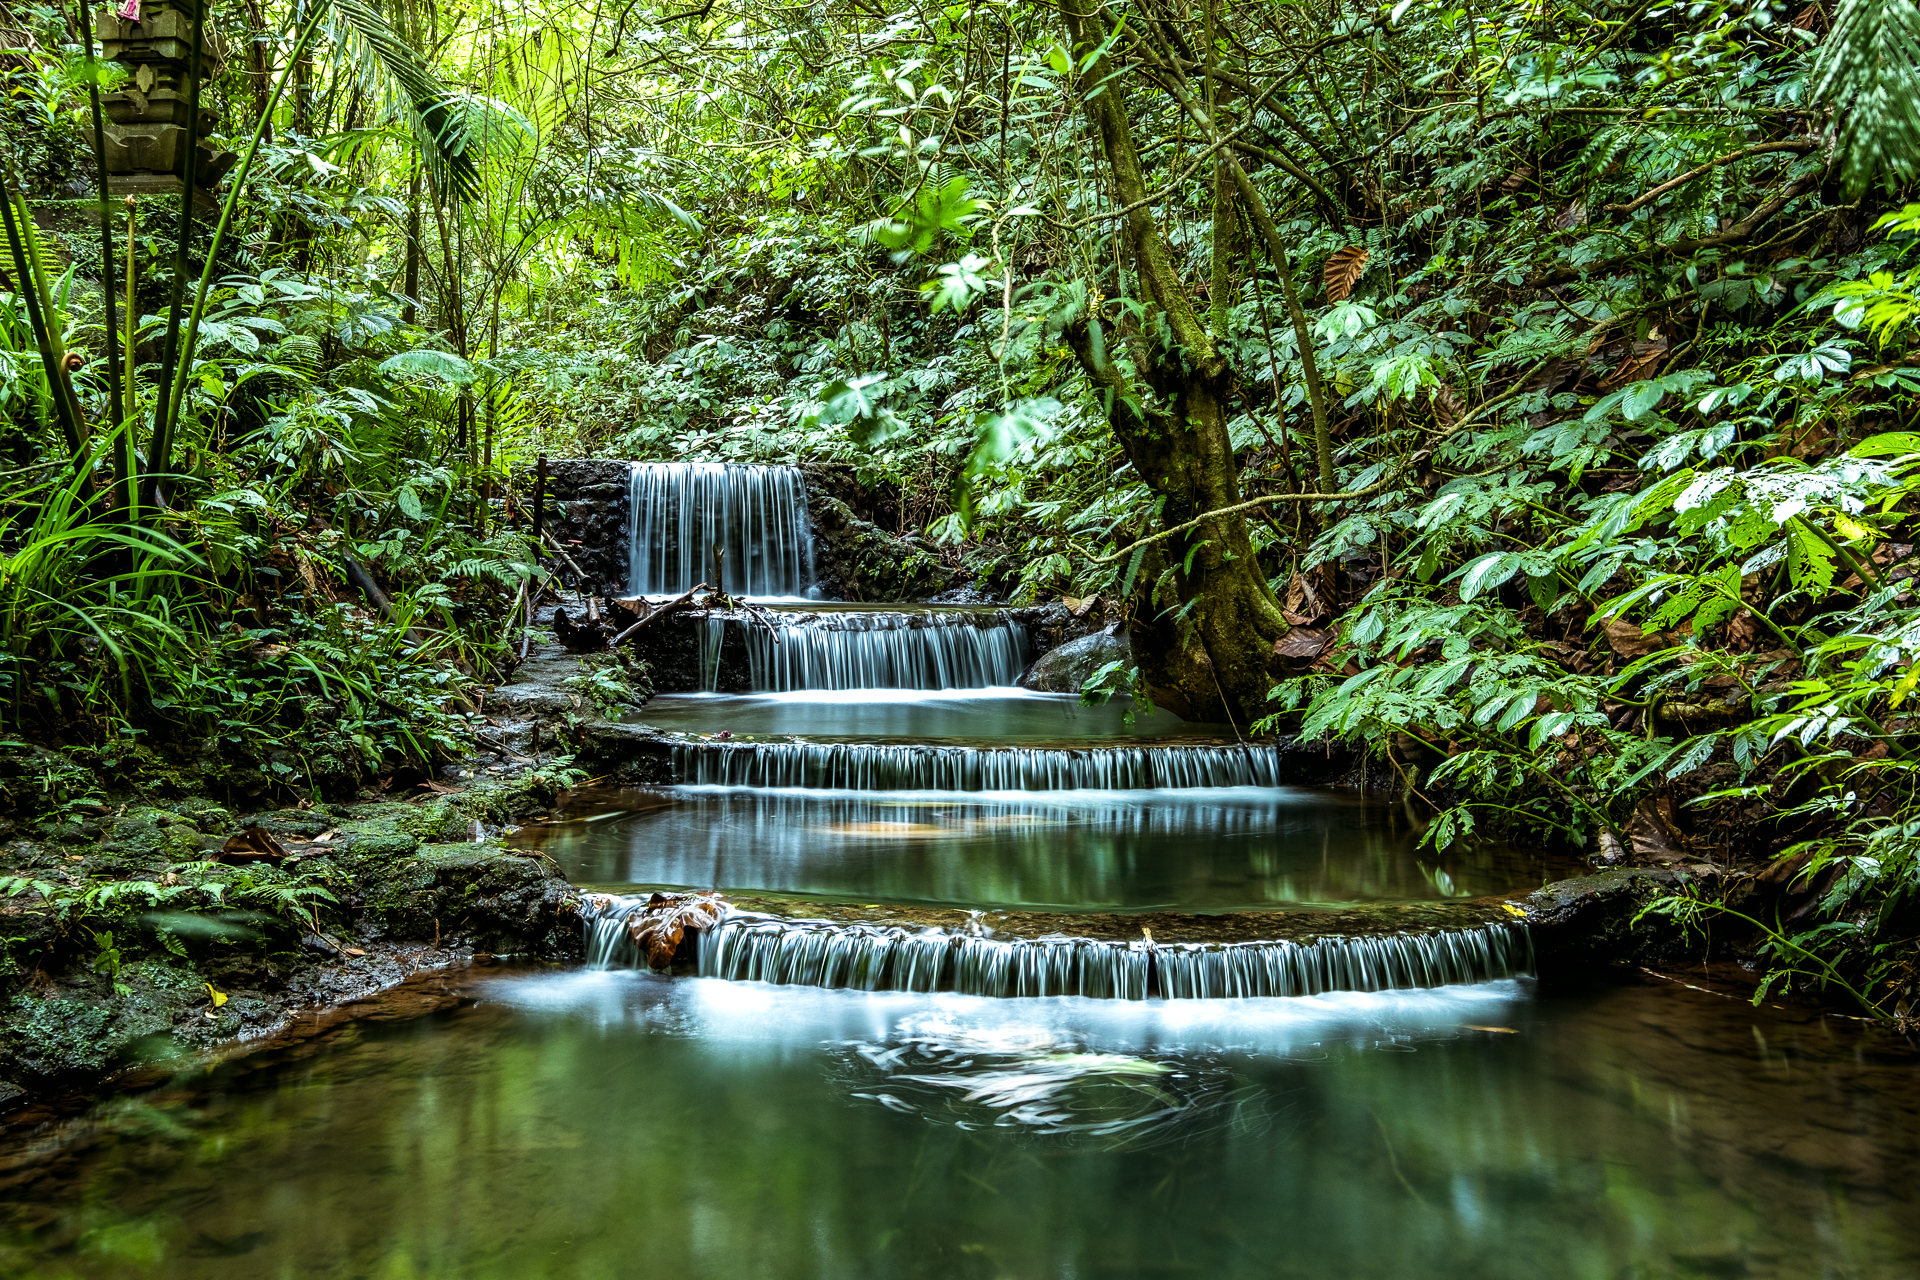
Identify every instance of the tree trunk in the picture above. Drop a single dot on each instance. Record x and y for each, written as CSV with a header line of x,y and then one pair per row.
x,y
1206,623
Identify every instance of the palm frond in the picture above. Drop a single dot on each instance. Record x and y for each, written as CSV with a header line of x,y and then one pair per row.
x,y
1869,70
441,122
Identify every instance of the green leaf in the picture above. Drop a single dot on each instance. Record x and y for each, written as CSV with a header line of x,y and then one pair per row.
x,y
425,362
1809,559
1887,444
1488,572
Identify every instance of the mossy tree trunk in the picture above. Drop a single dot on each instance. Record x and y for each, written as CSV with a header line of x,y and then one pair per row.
x,y
1205,621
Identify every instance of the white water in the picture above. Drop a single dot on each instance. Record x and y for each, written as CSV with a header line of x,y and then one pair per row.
x,y
694,522
868,651
874,767
820,953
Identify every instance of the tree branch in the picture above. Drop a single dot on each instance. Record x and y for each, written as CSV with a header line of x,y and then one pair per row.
x,y
1798,145
1735,234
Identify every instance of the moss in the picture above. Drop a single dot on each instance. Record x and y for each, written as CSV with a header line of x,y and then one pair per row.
x,y
58,1037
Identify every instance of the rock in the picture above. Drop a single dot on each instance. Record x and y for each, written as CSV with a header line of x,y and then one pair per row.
x,y
962,595
1585,925
1065,668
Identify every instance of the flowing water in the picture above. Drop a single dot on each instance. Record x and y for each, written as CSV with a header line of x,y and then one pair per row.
x,y
613,1124
742,529
873,649
982,717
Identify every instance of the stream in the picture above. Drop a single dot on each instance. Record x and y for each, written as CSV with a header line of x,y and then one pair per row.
x,y
601,1124
1333,1062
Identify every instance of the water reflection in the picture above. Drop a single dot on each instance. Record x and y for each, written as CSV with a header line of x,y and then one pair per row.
x,y
1209,850
993,717
617,1124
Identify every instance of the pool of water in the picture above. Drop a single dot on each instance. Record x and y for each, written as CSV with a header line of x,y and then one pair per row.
x,y
620,1124
1222,849
988,717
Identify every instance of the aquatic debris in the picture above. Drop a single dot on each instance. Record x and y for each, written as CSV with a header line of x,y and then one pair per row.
x,y
655,927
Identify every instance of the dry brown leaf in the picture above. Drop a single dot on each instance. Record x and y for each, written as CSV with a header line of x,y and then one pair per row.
x,y
1344,267
1302,642
1301,604
252,845
1517,179
1811,18
441,788
1742,631
1641,362
1629,641
658,927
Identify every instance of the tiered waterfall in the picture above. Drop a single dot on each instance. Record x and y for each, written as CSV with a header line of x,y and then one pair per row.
x,y
920,672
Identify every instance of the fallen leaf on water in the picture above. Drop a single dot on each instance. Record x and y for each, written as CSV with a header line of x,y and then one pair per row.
x,y
355,951
1505,1031
219,997
888,830
658,927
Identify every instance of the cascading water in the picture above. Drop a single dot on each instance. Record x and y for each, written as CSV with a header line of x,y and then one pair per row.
x,y
739,528
817,953
874,767
886,651
744,529
926,650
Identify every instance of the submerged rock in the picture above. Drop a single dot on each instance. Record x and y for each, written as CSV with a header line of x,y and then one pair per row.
x,y
1065,668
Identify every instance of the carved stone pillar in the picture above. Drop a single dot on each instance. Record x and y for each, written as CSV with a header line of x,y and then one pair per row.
x,y
147,134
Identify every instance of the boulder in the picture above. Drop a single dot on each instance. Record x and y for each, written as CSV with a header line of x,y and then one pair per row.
x,y
1066,667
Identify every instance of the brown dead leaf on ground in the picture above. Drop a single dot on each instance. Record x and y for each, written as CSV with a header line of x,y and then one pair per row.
x,y
658,927
1741,632
1641,361
1301,605
1629,641
1302,642
252,845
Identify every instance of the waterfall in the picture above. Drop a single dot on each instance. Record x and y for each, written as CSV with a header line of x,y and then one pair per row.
x,y
682,516
867,767
925,650
819,953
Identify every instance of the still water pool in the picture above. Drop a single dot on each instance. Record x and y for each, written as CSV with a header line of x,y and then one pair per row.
x,y
618,1124
1210,849
991,717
